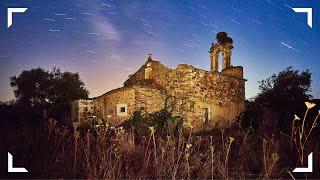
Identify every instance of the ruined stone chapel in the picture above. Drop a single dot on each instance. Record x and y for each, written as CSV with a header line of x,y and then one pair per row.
x,y
204,99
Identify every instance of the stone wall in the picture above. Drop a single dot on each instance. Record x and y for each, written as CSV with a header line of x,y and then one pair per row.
x,y
223,95
150,99
108,102
133,97
233,72
187,80
157,69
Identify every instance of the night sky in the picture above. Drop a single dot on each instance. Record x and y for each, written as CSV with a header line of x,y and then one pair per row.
x,y
105,41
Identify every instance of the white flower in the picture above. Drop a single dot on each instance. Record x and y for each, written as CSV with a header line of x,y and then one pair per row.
x,y
309,105
188,146
152,129
296,117
231,139
314,125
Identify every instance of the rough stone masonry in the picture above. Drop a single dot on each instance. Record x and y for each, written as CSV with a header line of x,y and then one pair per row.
x,y
204,99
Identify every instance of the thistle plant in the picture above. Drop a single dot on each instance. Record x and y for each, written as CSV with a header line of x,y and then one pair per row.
x,y
293,129
51,125
76,136
187,154
231,139
303,134
212,151
274,158
152,131
267,161
309,106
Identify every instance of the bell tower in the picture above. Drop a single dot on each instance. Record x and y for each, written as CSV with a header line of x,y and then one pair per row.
x,y
223,46
148,69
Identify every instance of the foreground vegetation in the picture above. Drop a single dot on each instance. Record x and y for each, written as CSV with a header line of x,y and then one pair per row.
x,y
109,152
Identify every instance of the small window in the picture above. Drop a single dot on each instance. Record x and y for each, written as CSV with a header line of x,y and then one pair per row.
x,y
121,109
206,115
147,73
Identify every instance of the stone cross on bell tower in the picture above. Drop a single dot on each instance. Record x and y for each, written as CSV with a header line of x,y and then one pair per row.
x,y
223,46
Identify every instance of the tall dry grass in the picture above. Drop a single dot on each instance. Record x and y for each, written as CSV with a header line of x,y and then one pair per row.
x,y
114,153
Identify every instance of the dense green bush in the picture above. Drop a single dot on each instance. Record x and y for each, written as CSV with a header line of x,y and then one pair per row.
x,y
162,121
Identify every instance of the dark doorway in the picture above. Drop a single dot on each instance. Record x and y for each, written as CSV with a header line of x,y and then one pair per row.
x,y
206,115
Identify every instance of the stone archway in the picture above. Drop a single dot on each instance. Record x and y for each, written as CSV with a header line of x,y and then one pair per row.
x,y
223,46
225,50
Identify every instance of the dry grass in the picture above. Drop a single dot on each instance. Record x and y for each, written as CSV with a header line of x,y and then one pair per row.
x,y
300,134
114,153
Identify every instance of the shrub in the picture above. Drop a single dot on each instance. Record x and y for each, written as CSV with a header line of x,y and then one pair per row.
x,y
162,121
85,127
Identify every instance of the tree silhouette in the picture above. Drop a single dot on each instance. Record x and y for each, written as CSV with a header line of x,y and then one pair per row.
x,y
49,93
285,93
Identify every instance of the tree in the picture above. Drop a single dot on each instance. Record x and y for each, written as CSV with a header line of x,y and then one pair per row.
x,y
30,86
285,93
50,92
65,88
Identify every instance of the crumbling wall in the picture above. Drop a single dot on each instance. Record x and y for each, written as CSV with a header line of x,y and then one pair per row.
x,y
150,99
133,97
120,96
189,81
99,108
233,72
223,95
157,69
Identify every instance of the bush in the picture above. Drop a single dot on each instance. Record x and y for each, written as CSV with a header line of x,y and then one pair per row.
x,y
162,121
85,127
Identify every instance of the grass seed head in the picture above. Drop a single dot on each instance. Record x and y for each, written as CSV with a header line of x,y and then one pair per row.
x,y
296,117
231,139
309,105
275,157
152,129
76,135
188,146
